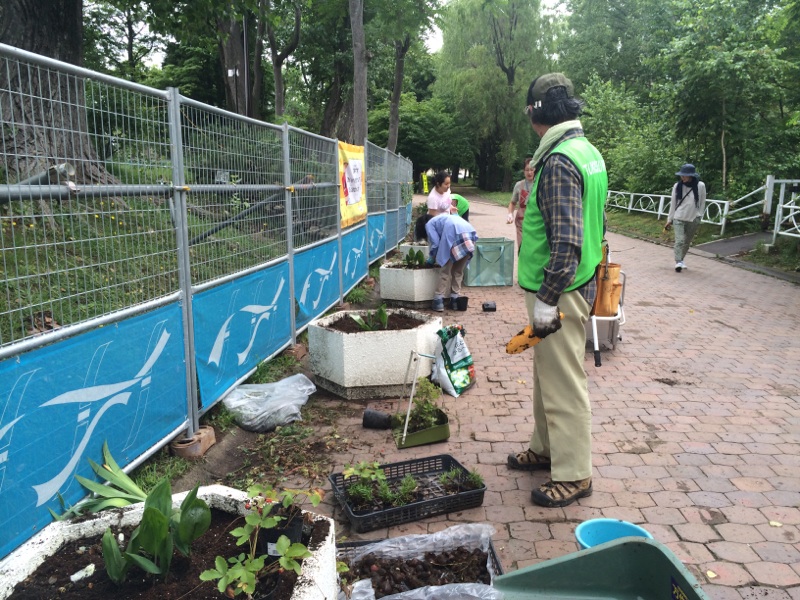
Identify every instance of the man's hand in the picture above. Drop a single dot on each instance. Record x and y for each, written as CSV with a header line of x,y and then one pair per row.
x,y
510,218
667,225
430,260
545,319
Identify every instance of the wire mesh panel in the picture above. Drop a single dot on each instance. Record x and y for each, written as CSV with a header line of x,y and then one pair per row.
x,y
236,210
393,181
314,162
85,222
376,178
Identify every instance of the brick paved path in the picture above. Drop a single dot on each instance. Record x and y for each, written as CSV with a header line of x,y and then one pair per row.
x,y
696,423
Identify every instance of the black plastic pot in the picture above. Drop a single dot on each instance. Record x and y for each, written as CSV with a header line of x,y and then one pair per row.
x,y
375,419
461,303
267,538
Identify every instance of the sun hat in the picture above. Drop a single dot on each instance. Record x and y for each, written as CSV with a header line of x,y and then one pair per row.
x,y
546,82
688,170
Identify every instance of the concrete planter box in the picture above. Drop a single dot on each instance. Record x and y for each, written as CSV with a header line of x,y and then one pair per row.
x,y
403,249
399,284
318,580
369,364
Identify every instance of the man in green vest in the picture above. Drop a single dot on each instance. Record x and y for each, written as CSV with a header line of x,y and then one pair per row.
x,y
561,247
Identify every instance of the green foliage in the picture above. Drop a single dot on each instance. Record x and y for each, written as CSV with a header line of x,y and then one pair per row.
x,y
120,491
373,320
457,480
161,529
219,417
365,472
415,259
405,493
242,572
358,295
424,412
273,370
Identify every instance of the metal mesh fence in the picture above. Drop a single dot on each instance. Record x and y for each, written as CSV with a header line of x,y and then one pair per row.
x,y
236,209
85,223
87,195
376,177
314,165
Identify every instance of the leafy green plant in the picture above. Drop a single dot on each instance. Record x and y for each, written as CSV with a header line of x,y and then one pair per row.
x,y
120,491
160,531
406,491
415,259
456,480
424,412
358,295
373,320
240,574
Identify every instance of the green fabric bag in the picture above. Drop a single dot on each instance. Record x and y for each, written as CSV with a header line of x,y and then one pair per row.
x,y
491,264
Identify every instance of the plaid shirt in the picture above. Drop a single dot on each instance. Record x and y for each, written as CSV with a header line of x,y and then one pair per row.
x,y
559,199
464,246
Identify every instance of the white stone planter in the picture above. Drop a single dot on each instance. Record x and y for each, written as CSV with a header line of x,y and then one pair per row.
x,y
369,364
408,285
403,249
318,580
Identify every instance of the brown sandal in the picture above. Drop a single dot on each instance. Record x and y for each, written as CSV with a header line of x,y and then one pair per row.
x,y
528,461
561,493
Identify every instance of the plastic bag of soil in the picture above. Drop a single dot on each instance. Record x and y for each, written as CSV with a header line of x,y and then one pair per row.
x,y
264,406
453,368
469,536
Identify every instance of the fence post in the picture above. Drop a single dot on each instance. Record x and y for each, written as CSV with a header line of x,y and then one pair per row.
x,y
630,204
385,200
179,212
765,212
778,215
660,207
339,215
287,197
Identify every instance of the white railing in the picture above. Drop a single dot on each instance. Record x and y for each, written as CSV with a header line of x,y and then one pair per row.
x,y
715,213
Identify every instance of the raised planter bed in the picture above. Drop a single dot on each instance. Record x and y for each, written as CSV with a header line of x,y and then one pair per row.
x,y
369,364
411,288
318,580
434,498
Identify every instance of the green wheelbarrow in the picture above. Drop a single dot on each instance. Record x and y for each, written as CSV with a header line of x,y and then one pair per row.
x,y
629,568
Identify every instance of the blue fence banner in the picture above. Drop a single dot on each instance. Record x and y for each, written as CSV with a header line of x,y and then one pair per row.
x,y
392,227
409,220
354,255
123,383
238,325
376,230
316,281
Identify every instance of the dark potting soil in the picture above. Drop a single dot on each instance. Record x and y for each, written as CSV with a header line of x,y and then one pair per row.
x,y
395,322
395,575
51,581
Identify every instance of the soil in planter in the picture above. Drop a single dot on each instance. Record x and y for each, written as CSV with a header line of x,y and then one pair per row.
x,y
51,580
396,322
395,575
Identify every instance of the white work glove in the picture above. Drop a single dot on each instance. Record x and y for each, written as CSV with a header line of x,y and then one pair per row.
x,y
510,218
545,319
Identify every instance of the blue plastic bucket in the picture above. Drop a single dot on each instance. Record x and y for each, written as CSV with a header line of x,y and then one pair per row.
x,y
599,531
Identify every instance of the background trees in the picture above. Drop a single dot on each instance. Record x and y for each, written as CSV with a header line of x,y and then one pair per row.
x,y
714,82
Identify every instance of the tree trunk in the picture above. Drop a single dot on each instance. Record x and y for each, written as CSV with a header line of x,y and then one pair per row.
x,y
231,53
280,56
257,74
333,107
359,72
724,153
400,51
47,109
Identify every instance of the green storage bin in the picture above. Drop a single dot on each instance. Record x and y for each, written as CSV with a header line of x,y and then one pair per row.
x,y
492,263
629,568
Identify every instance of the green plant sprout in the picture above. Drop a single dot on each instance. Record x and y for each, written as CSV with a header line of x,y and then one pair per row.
x,y
373,320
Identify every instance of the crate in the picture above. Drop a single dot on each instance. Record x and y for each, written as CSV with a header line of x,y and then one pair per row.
x,y
347,549
632,568
491,264
435,502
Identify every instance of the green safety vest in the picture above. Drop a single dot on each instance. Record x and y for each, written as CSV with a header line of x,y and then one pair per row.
x,y
461,203
534,253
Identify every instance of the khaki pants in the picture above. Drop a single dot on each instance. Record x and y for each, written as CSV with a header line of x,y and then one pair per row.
x,y
684,234
450,277
561,411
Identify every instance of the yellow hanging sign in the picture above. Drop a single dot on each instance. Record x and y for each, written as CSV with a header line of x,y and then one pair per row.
x,y
353,178
424,183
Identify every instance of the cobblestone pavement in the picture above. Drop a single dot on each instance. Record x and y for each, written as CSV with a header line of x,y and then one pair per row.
x,y
696,422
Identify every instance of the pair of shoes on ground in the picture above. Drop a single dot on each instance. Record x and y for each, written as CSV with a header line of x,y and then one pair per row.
x,y
679,266
550,494
438,304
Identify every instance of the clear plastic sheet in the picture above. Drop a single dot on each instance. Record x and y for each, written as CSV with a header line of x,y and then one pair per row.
x,y
265,406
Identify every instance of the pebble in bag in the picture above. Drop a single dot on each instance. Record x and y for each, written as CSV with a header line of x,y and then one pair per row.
x,y
609,289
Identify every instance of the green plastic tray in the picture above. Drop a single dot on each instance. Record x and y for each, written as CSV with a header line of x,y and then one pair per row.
x,y
628,568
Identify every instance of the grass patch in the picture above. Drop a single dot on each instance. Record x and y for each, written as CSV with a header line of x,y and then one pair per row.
x,y
219,417
278,368
161,465
358,295
785,256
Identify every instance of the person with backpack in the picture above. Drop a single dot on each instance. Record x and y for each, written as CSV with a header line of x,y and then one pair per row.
x,y
685,211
